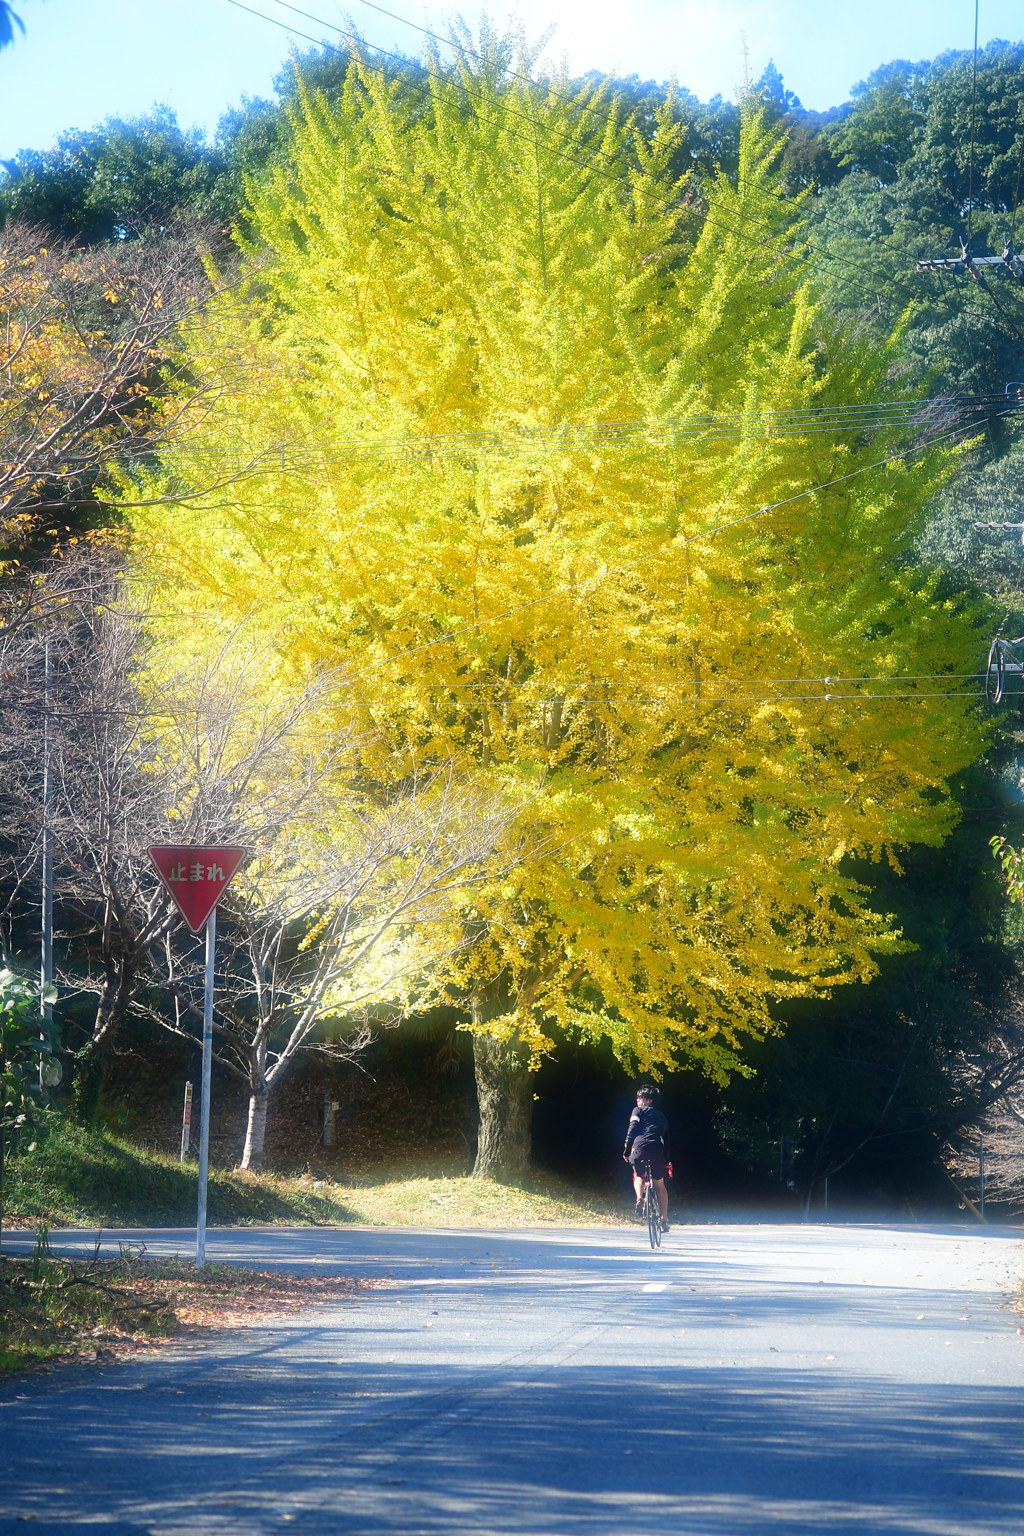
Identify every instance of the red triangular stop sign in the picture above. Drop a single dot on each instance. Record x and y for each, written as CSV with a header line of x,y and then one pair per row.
x,y
197,878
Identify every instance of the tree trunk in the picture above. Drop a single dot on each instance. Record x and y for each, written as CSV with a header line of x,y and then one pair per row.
x,y
504,1091
111,1007
255,1130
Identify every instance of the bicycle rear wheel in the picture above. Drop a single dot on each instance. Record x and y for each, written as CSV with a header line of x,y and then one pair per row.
x,y
653,1214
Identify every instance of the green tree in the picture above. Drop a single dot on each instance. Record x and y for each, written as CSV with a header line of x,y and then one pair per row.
x,y
884,122
917,185
116,180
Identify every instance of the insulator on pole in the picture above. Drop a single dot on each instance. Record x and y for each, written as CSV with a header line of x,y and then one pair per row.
x,y
1005,668
1007,264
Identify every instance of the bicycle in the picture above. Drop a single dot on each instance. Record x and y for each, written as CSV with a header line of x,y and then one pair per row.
x,y
650,1210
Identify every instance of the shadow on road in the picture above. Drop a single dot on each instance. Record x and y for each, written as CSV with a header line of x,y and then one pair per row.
x,y
443,1450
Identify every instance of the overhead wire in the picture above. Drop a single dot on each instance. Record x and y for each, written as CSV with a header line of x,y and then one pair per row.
x,y
540,128
7,707
713,214
808,421
717,214
447,42
630,565
706,698
707,691
733,682
389,53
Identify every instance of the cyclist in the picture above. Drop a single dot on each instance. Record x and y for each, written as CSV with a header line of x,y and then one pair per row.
x,y
647,1142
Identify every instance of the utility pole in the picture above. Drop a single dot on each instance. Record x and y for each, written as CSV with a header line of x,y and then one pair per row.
x,y
46,905
46,923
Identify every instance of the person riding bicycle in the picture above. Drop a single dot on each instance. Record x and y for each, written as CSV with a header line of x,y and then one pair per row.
x,y
647,1144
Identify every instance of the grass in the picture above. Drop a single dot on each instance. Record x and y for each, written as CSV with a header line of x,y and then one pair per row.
x,y
58,1311
469,1202
79,1177
84,1178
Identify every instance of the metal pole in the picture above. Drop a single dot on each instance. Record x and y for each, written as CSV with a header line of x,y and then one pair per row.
x,y
204,1108
46,921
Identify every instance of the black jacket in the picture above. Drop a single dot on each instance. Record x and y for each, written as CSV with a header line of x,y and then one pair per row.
x,y
647,1135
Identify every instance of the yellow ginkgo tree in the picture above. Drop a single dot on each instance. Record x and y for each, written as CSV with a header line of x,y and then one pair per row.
x,y
537,447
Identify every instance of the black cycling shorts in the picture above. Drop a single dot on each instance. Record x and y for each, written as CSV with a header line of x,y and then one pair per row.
x,y
656,1160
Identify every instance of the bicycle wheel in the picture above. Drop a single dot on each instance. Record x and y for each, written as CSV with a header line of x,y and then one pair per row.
x,y
653,1214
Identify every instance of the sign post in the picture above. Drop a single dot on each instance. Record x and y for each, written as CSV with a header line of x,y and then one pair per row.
x,y
196,879
186,1123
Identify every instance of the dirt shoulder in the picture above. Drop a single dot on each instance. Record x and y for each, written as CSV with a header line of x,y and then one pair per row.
x,y
56,1311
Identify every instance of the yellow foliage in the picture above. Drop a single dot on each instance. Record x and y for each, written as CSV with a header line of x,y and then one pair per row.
x,y
553,610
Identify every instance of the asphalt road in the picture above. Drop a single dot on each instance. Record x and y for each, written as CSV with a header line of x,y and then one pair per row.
x,y
746,1379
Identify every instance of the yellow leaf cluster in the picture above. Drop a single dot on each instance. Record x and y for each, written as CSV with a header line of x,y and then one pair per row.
x,y
545,602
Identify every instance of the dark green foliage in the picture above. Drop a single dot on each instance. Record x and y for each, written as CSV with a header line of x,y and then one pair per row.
x,y
884,123
913,188
988,490
809,161
867,1087
26,1051
26,1043
911,123
113,181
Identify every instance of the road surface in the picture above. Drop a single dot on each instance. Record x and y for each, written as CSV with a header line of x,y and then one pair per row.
x,y
777,1380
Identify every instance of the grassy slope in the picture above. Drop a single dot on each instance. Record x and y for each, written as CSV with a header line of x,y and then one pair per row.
x,y
80,1177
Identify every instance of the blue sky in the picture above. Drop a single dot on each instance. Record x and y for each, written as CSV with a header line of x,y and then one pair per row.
x,y
83,60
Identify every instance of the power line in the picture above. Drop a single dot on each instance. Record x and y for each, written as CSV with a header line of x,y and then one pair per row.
x,y
712,214
630,565
451,635
720,698
459,84
447,42
707,698
726,682
505,69
806,421
168,713
294,31
674,545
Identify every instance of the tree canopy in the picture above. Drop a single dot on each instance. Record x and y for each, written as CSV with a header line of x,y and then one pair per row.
x,y
458,292
595,617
